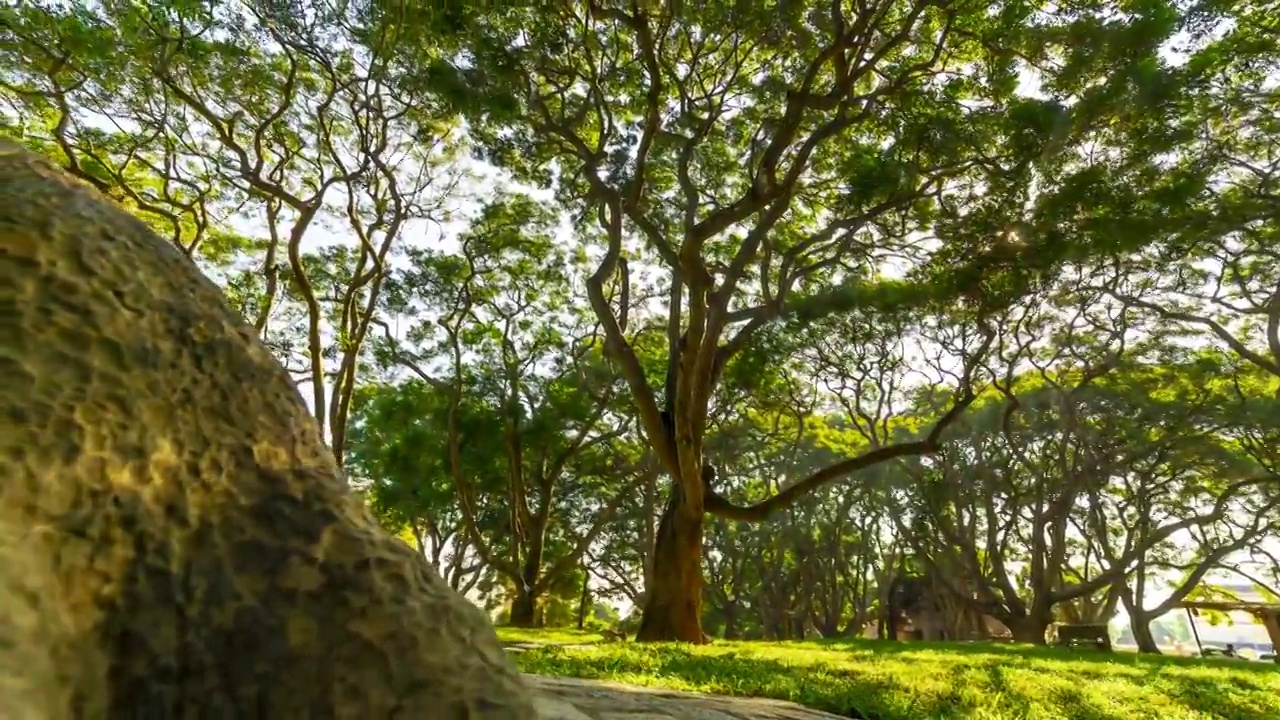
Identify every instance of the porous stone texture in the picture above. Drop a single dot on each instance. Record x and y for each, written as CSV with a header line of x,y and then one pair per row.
x,y
570,699
175,538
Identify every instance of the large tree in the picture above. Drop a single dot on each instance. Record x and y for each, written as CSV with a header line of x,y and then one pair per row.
x,y
766,158
518,411
777,160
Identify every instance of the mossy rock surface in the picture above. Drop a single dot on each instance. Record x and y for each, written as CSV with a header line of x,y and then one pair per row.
x,y
176,539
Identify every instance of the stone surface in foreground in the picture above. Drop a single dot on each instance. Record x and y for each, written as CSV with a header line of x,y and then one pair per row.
x,y
573,699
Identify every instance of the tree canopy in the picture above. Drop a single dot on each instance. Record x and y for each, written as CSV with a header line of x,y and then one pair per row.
x,y
743,314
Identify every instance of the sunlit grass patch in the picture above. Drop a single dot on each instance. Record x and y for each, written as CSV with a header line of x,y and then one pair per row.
x,y
556,636
921,681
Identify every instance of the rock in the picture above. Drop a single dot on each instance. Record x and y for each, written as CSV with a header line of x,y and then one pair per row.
x,y
574,699
175,538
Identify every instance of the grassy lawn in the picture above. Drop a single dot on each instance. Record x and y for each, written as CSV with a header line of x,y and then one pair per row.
x,y
923,681
550,636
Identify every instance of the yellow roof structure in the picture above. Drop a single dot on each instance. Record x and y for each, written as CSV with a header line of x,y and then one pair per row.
x,y
1230,605
1268,613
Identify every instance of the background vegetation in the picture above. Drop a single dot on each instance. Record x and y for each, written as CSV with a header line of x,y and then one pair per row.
x,y
765,322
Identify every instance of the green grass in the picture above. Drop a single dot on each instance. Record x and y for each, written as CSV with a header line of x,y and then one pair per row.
x,y
550,636
927,681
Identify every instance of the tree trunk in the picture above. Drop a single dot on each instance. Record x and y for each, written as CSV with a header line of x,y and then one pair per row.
x,y
1139,621
1028,628
892,615
673,605
731,614
1140,626
524,608
830,626
527,586
585,599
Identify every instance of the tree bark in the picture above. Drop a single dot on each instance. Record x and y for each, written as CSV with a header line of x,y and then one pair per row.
x,y
830,626
1028,628
524,608
732,611
673,602
1140,626
585,599
892,612
1139,620
529,586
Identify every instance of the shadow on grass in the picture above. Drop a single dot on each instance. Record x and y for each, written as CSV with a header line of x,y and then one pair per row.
x,y
1229,697
1078,706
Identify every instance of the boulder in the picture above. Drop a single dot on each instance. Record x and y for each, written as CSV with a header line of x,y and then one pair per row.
x,y
176,540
